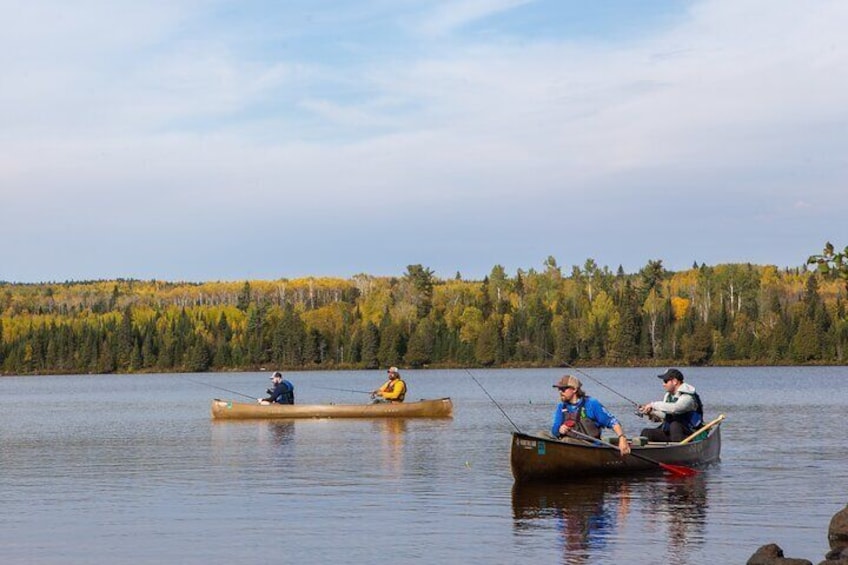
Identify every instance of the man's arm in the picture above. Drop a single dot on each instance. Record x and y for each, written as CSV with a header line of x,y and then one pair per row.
x,y
686,403
557,420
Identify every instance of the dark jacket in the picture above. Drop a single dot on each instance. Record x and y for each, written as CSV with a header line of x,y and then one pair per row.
x,y
283,393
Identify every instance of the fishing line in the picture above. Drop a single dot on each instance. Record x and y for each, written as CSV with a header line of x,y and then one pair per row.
x,y
493,401
590,377
342,389
220,388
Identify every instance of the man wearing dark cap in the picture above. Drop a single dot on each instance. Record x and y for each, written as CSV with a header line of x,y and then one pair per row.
x,y
282,393
581,413
680,411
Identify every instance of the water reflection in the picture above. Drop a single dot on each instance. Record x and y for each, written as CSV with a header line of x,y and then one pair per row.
x,y
281,432
268,434
682,503
585,514
392,436
589,516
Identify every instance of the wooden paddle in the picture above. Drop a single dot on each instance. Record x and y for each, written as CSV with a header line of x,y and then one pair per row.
x,y
703,429
673,469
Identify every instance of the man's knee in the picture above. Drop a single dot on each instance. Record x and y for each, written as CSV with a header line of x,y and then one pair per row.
x,y
677,432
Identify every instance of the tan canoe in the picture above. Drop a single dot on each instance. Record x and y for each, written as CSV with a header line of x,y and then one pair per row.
x,y
230,410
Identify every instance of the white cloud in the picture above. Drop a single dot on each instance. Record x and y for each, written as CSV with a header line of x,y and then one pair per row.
x,y
452,15
735,113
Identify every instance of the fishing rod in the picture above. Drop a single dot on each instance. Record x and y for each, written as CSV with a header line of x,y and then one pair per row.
x,y
493,401
342,389
220,388
590,377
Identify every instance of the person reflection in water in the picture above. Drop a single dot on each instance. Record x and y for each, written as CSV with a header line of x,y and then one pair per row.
x,y
682,505
392,433
586,514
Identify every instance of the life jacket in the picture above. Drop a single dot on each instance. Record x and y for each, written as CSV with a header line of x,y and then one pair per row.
x,y
390,387
578,420
286,396
691,420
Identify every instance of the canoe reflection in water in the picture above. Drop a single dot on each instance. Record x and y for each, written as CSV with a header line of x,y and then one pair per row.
x,y
587,514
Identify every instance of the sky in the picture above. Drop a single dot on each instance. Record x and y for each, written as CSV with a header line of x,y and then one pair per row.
x,y
205,140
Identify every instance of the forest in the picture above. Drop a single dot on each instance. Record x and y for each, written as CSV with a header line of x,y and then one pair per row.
x,y
727,314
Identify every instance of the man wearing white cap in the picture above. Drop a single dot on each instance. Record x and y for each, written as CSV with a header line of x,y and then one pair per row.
x,y
393,390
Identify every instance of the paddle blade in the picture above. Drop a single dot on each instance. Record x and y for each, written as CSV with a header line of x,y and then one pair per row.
x,y
679,470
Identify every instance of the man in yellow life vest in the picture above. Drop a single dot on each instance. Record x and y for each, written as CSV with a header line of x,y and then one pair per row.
x,y
393,390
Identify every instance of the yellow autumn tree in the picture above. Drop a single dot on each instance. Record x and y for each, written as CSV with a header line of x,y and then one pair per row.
x,y
679,307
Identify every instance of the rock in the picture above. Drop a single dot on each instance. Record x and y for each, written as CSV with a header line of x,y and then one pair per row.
x,y
772,554
837,556
837,533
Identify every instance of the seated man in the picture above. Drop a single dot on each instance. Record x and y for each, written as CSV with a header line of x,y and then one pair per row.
x,y
282,393
581,413
680,411
393,390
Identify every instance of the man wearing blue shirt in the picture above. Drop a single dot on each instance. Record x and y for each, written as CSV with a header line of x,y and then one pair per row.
x,y
583,414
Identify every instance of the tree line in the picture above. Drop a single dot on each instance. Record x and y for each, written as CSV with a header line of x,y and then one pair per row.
x,y
722,314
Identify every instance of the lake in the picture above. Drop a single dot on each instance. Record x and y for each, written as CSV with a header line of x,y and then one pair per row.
x,y
112,469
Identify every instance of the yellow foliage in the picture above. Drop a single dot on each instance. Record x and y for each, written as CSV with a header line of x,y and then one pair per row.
x,y
327,319
653,303
679,307
684,282
769,277
472,324
376,302
603,308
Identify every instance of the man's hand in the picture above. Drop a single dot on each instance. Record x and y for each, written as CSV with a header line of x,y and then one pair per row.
x,y
623,445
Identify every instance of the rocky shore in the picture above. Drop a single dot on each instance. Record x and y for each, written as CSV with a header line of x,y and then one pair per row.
x,y
837,536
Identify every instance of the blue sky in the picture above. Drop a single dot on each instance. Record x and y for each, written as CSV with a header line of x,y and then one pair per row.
x,y
216,140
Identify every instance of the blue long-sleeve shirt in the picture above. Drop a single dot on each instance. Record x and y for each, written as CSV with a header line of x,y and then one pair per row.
x,y
595,411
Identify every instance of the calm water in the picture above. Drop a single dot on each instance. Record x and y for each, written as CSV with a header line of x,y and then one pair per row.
x,y
130,469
